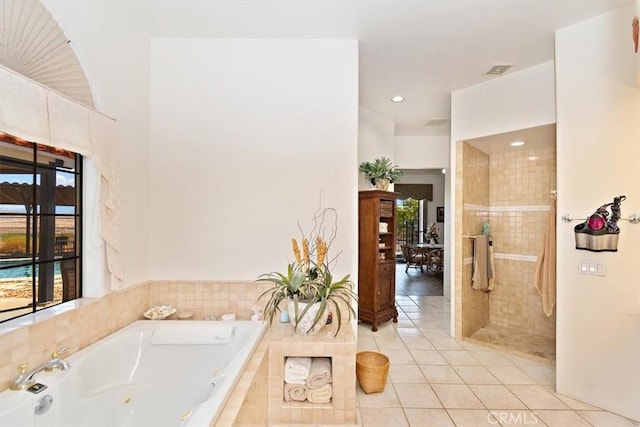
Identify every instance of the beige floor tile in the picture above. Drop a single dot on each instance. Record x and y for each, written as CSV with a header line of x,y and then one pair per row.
x,y
459,358
428,357
510,375
491,358
387,399
515,417
383,417
406,374
409,332
544,375
425,323
418,343
405,323
497,397
536,397
367,343
446,344
476,375
441,374
389,343
457,396
434,333
606,419
428,417
562,418
417,396
411,309
523,361
399,356
416,315
574,404
471,418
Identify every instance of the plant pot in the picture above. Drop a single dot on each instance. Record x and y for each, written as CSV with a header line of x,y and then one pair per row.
x,y
303,324
382,184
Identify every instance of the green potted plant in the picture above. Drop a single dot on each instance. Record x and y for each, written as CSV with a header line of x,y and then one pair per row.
x,y
308,287
381,172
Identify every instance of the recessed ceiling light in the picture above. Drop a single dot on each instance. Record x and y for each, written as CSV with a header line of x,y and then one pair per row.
x,y
444,170
517,143
397,98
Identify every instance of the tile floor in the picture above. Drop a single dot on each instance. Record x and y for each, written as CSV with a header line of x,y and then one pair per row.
x,y
435,380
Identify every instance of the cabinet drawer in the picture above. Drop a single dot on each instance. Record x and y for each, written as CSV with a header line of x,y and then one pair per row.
x,y
386,268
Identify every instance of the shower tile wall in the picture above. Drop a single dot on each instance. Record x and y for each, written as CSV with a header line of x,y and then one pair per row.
x,y
521,182
475,199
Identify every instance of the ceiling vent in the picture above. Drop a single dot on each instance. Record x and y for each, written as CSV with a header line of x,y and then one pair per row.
x,y
498,69
436,122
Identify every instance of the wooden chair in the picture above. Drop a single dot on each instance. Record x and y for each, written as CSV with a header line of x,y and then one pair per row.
x,y
412,258
435,261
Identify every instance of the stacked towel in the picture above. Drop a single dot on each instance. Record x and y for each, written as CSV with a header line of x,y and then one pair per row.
x,y
320,395
296,392
296,370
319,373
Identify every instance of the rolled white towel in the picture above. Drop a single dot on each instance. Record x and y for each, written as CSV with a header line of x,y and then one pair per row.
x,y
296,370
296,392
320,372
320,395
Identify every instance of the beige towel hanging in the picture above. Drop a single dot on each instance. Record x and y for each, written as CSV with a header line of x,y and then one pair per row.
x,y
480,276
544,279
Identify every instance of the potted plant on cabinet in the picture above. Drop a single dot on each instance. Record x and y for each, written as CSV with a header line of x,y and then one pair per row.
x,y
308,286
381,172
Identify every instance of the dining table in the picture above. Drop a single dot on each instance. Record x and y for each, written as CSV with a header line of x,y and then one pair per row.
x,y
427,249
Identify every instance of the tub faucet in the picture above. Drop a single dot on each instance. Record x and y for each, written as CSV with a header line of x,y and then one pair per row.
x,y
26,378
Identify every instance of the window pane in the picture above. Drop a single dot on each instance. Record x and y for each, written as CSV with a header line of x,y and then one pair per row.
x,y
65,195
15,239
16,292
65,237
48,282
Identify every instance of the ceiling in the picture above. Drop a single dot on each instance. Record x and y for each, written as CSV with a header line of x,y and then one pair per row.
x,y
533,138
421,50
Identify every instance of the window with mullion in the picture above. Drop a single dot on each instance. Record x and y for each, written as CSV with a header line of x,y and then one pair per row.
x,y
40,226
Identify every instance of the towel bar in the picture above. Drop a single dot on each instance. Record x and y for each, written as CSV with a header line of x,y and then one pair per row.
x,y
633,219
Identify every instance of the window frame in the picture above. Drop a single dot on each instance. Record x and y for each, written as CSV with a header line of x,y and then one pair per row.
x,y
70,260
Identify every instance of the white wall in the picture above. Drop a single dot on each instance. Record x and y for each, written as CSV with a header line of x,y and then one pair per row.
x,y
422,152
245,136
520,100
375,139
598,101
115,57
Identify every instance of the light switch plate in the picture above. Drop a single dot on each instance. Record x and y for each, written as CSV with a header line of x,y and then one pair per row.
x,y
592,267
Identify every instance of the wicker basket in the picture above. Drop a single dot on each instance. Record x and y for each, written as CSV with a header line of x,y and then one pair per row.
x,y
371,370
386,209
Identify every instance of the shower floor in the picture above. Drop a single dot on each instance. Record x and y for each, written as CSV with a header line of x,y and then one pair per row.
x,y
514,341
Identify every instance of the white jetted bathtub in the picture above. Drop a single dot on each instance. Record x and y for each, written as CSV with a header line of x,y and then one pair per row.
x,y
150,373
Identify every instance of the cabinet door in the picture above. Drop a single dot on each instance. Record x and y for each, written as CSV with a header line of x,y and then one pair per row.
x,y
385,295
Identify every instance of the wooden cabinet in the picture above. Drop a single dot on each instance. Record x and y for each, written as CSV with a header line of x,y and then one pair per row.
x,y
377,254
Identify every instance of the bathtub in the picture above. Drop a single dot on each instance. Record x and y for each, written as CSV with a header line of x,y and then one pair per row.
x,y
150,373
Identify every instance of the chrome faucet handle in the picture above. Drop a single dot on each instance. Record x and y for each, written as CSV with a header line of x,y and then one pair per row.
x,y
56,354
21,382
55,357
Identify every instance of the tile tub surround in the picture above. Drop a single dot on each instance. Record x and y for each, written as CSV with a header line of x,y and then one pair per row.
x,y
78,324
75,324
